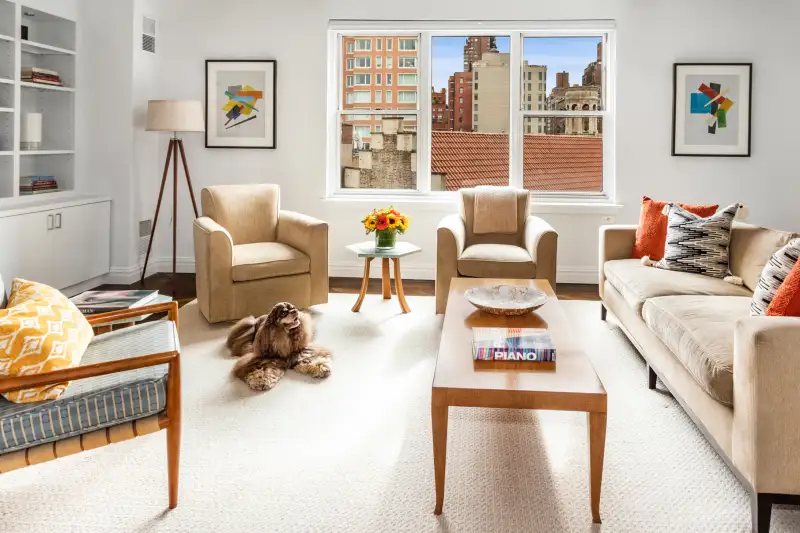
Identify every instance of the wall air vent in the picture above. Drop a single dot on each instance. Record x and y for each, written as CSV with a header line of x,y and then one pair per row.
x,y
149,35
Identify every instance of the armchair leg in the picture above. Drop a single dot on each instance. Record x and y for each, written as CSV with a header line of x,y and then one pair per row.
x,y
174,429
761,509
651,378
603,312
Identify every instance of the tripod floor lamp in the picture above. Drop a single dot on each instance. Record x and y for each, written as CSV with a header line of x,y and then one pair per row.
x,y
173,116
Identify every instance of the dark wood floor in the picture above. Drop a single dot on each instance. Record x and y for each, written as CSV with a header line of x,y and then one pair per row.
x,y
182,288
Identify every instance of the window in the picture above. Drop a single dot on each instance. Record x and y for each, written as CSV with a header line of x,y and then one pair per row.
x,y
407,44
358,97
406,97
406,62
555,143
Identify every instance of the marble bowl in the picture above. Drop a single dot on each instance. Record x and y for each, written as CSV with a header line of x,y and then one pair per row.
x,y
506,299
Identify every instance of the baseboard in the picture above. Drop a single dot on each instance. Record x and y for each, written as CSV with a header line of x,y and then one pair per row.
x,y
342,269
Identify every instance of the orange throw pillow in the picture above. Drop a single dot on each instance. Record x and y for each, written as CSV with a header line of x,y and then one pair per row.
x,y
787,299
651,235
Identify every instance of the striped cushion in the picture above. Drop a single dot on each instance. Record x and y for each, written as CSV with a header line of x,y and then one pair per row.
x,y
98,402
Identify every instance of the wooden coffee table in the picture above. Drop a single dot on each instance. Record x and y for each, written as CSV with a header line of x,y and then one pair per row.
x,y
573,386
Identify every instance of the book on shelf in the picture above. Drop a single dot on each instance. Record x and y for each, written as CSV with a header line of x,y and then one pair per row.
x,y
27,71
40,75
527,345
95,302
37,184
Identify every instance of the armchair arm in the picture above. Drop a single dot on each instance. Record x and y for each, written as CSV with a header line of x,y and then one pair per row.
x,y
616,242
213,251
451,237
541,241
766,429
310,236
81,372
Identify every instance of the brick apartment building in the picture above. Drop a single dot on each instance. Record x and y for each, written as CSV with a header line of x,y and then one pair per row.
x,y
379,73
475,47
459,101
440,118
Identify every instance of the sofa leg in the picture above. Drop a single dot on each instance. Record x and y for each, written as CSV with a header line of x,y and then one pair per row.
x,y
603,312
761,508
651,378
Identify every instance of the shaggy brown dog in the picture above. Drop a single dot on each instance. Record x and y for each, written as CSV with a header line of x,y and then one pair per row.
x,y
273,343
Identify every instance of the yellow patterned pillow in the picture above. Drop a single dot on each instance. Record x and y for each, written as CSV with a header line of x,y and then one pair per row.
x,y
40,331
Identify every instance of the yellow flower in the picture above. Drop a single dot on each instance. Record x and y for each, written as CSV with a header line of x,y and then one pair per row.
x,y
370,223
393,220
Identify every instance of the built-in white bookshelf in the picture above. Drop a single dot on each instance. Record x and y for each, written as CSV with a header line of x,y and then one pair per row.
x,y
50,44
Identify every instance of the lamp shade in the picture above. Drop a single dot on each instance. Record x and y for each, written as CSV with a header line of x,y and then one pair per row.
x,y
175,115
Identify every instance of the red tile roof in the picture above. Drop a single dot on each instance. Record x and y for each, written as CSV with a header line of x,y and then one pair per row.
x,y
551,162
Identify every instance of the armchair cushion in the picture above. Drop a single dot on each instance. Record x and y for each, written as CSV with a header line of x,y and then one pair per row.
x,y
267,260
496,261
98,402
248,212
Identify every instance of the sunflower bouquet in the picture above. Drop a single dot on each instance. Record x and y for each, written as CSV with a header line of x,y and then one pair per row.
x,y
386,223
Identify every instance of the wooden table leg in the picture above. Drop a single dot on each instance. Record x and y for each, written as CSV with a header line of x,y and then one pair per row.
x,y
439,415
597,448
398,284
387,288
364,285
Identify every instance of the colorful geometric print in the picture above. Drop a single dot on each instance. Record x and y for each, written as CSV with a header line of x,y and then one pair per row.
x,y
40,331
772,277
698,245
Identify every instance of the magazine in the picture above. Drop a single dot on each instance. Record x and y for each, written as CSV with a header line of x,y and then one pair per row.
x,y
95,302
512,344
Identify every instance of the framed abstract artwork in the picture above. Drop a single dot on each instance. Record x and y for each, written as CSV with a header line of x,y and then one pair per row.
x,y
240,103
711,109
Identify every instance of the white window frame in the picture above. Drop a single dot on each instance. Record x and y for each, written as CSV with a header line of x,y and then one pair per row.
x,y
400,61
366,59
401,101
367,49
517,31
400,45
400,78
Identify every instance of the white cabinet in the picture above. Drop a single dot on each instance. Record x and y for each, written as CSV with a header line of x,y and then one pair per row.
x,y
56,245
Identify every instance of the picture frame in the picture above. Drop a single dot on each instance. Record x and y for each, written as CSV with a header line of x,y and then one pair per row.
x,y
711,109
241,101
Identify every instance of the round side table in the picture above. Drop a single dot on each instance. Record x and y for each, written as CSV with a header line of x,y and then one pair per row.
x,y
368,252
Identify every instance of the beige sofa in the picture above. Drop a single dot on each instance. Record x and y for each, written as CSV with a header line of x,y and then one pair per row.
x,y
527,253
737,376
250,254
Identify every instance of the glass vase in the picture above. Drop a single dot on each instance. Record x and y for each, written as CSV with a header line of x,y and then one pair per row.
x,y
385,239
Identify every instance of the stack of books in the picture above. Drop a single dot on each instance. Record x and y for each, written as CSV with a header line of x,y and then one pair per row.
x,y
519,346
37,184
41,75
95,302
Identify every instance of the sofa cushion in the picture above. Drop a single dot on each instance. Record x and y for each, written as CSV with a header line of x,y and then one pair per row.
x,y
496,261
751,249
637,283
772,277
98,402
699,332
267,260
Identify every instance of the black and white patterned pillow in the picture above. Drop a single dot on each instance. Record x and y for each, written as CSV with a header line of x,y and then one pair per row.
x,y
698,245
772,277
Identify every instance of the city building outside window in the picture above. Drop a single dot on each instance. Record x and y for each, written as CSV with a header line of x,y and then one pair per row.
x,y
574,121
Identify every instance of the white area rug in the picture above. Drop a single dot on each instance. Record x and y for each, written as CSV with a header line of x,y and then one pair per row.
x,y
353,453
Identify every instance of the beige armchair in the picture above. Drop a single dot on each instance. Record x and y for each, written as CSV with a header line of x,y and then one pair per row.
x,y
250,255
493,237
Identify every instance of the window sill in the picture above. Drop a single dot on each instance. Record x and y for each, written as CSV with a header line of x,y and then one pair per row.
x,y
446,202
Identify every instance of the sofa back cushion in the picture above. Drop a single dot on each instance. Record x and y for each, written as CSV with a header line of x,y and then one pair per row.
x,y
248,212
751,249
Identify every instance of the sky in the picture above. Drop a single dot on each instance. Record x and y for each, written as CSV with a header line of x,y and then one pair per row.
x,y
557,53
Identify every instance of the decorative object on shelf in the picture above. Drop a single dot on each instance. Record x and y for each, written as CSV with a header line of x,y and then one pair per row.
x,y
711,109
386,223
29,185
31,135
240,103
173,116
42,76
506,300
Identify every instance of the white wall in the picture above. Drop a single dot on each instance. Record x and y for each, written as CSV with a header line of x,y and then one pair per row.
x,y
651,36
67,9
